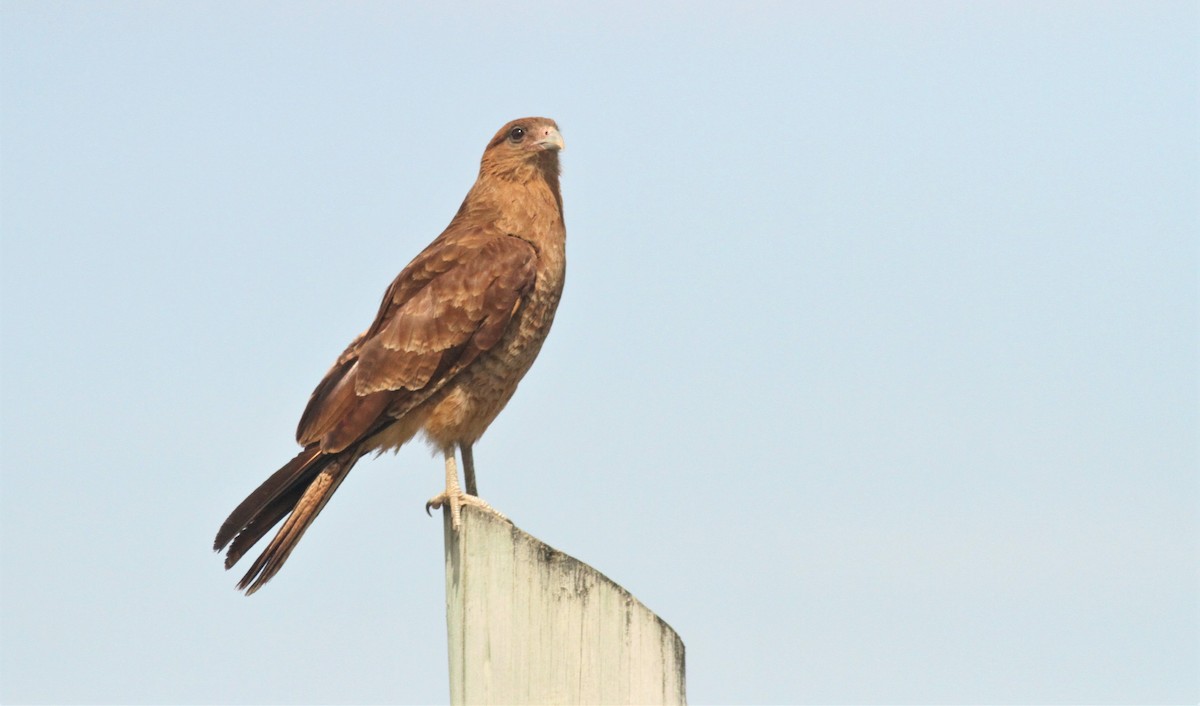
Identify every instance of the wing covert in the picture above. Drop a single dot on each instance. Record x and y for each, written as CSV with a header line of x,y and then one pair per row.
x,y
452,303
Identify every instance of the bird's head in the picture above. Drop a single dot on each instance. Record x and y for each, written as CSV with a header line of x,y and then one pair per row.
x,y
522,144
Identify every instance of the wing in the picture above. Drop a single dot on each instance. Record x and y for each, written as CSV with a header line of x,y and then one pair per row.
x,y
452,303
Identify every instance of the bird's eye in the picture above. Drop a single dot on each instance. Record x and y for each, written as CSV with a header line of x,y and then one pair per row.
x,y
516,134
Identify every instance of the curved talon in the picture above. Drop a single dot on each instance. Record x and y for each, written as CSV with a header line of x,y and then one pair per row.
x,y
456,501
455,498
435,503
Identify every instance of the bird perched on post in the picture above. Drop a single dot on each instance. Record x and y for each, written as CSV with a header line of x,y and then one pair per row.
x,y
457,330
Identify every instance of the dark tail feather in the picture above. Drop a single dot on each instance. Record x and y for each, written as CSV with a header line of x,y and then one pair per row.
x,y
306,510
295,473
263,522
301,488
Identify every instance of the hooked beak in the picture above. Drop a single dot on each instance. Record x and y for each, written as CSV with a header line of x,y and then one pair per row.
x,y
551,140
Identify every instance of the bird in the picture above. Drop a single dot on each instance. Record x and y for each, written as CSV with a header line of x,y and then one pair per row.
x,y
456,332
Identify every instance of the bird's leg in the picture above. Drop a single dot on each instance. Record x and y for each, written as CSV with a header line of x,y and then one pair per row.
x,y
469,469
455,497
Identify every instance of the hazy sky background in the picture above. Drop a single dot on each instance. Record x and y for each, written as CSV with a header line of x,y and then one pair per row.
x,y
875,376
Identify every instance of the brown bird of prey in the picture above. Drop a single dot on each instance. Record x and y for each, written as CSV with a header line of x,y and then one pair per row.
x,y
456,332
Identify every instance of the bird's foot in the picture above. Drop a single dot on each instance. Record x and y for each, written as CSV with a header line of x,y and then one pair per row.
x,y
456,500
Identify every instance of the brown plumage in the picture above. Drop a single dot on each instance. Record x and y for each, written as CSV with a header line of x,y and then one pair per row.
x,y
456,332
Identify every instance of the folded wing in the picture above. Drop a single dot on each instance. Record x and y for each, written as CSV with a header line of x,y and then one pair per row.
x,y
452,303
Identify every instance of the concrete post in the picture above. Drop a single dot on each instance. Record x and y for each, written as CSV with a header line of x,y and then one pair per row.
x,y
531,625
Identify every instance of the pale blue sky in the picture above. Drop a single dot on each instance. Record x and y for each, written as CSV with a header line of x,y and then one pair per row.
x,y
875,376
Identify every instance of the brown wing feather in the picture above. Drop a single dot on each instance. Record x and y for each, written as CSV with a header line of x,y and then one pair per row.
x,y
451,303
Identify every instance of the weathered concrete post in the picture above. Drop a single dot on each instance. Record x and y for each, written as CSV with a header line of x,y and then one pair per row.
x,y
531,625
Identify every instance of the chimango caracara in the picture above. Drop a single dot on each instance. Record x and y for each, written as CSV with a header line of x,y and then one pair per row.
x,y
456,332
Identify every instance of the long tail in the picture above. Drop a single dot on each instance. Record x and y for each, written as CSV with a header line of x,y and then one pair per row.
x,y
301,488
